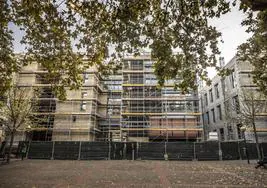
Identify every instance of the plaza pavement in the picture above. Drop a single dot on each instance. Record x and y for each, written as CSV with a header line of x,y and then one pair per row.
x,y
123,173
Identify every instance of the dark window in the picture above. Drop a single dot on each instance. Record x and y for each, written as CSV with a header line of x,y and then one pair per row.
x,y
239,133
222,134
217,94
213,115
211,95
230,132
73,118
208,117
206,99
236,104
219,111
137,65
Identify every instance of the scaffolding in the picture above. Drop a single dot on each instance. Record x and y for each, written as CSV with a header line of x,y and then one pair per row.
x,y
149,113
77,118
127,106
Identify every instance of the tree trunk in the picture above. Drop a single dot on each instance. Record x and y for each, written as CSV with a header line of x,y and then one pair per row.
x,y
257,140
12,134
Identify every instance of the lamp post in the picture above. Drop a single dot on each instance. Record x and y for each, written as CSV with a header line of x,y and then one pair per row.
x,y
109,133
243,129
28,132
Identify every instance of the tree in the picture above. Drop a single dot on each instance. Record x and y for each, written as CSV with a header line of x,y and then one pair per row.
x,y
255,49
17,111
249,105
52,28
8,63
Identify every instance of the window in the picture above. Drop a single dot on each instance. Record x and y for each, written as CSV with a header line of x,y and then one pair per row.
x,y
239,133
137,65
73,118
217,94
236,104
232,79
230,132
85,77
84,94
208,117
222,134
219,111
213,115
211,95
83,106
206,99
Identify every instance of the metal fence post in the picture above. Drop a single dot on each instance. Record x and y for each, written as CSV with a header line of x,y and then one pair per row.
x,y
262,151
194,147
137,148
124,151
80,147
165,152
109,149
239,152
133,150
29,145
220,150
53,150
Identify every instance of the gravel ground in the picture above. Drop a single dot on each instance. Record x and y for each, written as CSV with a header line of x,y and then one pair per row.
x,y
60,173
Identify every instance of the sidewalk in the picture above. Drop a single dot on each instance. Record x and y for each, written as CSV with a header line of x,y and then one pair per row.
x,y
123,173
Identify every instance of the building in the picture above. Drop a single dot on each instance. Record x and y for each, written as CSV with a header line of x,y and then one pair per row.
x,y
127,106
222,103
74,119
149,113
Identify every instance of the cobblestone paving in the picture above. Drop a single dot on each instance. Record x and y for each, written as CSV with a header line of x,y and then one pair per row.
x,y
57,173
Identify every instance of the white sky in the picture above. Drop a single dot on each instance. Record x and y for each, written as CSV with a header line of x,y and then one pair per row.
x,y
233,34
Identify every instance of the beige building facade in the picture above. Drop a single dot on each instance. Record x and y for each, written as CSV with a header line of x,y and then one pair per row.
x,y
77,117
127,106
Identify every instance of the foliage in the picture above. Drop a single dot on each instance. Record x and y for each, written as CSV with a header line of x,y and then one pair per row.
x,y
8,64
53,27
17,111
255,49
250,105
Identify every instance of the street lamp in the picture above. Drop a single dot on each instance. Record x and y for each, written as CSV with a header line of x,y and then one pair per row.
x,y
243,129
27,135
110,111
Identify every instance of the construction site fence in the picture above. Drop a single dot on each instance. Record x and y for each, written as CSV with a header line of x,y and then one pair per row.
x,y
79,150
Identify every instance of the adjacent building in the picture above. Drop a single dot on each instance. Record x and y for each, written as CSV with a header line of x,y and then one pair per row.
x,y
223,103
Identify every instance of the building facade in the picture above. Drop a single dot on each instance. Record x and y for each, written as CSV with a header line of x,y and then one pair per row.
x,y
149,113
223,104
76,118
128,106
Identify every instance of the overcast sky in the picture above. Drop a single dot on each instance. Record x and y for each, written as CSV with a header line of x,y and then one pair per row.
x,y
233,34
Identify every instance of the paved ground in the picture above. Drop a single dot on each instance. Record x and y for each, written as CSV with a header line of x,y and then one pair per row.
x,y
57,173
